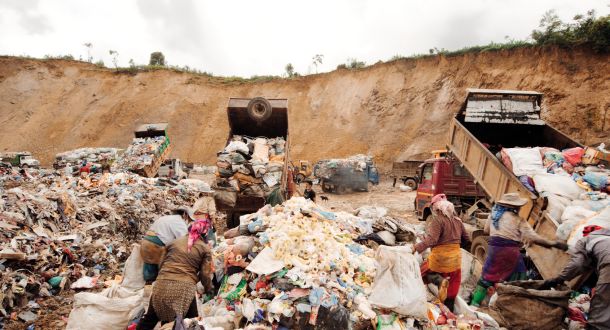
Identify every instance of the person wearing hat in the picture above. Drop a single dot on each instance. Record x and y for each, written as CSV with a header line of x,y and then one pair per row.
x,y
507,230
443,236
161,234
591,252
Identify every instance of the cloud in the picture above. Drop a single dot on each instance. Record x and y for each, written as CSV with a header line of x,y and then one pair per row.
x,y
29,17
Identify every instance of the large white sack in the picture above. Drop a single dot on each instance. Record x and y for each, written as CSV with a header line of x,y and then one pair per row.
x,y
576,212
556,184
602,219
237,146
525,161
261,150
398,284
556,206
592,205
114,307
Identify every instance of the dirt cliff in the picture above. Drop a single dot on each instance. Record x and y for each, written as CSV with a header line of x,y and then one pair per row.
x,y
393,110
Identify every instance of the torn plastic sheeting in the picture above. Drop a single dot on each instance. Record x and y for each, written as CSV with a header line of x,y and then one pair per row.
x,y
265,263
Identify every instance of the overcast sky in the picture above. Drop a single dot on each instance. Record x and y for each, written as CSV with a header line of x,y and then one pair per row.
x,y
248,37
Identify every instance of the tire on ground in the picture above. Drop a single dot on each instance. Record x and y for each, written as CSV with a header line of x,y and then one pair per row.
x,y
259,109
479,248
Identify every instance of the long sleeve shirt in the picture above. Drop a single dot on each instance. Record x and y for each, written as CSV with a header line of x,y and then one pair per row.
x,y
169,227
442,230
511,226
590,252
187,266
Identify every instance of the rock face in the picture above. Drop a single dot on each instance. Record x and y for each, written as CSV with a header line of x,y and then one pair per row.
x,y
393,111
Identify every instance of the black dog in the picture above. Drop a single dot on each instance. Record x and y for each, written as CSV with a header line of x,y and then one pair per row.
x,y
324,198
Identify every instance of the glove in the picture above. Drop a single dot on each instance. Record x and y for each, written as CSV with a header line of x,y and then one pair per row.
x,y
561,245
548,284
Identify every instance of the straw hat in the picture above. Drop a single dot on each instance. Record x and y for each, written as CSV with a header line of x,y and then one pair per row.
x,y
512,199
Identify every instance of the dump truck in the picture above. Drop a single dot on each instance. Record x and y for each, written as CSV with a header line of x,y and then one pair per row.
x,y
21,159
148,150
342,175
172,168
407,172
509,119
256,117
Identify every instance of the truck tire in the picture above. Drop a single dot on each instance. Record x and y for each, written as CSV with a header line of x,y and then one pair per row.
x,y
479,248
411,183
340,189
259,109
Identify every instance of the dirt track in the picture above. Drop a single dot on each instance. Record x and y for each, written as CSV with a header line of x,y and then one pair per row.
x,y
392,111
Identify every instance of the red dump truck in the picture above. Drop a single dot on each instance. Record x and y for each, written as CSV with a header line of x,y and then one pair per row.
x,y
492,118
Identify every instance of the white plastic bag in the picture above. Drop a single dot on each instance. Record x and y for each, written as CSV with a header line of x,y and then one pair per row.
x,y
526,161
398,284
557,205
556,184
602,219
114,307
237,146
577,213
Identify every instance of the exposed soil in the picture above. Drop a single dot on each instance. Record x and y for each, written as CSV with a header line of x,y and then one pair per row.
x,y
392,111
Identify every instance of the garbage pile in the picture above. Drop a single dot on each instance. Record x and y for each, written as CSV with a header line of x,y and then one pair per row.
x,y
142,152
249,167
327,168
95,156
575,187
298,266
61,232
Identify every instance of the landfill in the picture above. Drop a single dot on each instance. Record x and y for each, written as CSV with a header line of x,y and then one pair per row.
x,y
95,156
63,232
275,275
250,167
576,187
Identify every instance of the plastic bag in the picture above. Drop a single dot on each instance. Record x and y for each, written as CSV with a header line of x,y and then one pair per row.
x,y
561,185
557,205
573,155
228,198
115,306
398,284
525,161
237,146
602,219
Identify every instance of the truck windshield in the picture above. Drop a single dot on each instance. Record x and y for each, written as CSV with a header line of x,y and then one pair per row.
x,y
427,172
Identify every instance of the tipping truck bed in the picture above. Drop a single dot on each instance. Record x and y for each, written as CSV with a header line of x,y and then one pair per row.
x,y
509,119
255,122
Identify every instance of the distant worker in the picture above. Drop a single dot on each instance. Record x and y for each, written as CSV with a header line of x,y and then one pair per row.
x,y
308,193
188,261
85,168
507,231
171,173
444,234
591,251
161,234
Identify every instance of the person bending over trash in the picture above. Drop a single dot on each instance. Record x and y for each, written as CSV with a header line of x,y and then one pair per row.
x,y
161,234
507,230
591,251
443,235
188,261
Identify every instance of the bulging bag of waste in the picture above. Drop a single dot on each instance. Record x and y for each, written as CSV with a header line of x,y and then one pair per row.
x,y
224,197
521,305
114,307
398,284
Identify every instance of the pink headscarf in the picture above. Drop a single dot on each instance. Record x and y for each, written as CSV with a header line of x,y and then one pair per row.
x,y
198,229
444,207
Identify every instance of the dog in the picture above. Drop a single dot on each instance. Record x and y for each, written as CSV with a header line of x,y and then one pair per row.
x,y
324,198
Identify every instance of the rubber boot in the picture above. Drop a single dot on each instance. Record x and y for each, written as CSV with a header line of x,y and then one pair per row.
x,y
480,292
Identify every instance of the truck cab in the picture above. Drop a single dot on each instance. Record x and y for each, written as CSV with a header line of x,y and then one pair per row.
x,y
445,175
22,159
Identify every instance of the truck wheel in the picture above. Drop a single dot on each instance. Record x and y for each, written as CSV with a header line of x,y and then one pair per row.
x,y
341,190
299,178
259,109
479,248
411,184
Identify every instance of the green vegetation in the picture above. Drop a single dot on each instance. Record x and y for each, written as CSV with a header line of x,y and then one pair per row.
x,y
586,30
157,58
